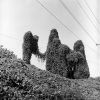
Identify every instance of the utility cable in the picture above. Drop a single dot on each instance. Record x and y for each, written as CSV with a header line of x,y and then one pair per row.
x,y
76,20
92,12
60,22
87,15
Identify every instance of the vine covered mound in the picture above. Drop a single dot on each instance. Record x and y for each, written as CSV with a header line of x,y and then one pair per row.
x,y
20,81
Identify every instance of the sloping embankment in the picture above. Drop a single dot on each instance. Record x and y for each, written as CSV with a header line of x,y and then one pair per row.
x,y
19,81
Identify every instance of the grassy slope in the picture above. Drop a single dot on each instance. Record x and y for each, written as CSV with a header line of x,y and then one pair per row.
x,y
19,81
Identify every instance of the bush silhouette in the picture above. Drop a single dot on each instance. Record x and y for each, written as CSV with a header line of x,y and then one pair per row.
x,y
55,55
30,46
60,59
77,63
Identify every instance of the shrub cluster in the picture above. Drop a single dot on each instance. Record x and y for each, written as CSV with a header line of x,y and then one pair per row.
x,y
21,81
60,59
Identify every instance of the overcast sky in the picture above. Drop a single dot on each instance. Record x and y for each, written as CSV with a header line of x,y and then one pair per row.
x,y
83,19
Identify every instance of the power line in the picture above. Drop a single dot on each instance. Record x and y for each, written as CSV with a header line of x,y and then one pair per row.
x,y
92,12
19,40
57,18
8,36
86,14
76,20
97,44
61,22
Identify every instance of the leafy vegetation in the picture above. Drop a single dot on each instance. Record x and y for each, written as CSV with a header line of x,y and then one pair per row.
x,y
20,81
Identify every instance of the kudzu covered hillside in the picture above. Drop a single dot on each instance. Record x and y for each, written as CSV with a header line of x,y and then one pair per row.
x,y
21,81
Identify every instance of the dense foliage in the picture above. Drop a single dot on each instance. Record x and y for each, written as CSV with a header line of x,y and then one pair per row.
x,y
19,81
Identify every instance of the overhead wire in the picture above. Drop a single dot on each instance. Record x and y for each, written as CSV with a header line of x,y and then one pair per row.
x,y
61,22
77,20
8,36
92,12
87,15
57,18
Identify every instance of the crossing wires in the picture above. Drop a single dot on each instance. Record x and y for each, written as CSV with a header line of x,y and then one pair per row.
x,y
92,12
77,20
82,8
57,18
61,22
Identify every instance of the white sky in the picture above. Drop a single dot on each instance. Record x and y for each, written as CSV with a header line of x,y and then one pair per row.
x,y
20,16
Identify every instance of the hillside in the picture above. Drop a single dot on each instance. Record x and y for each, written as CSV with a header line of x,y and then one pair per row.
x,y
19,81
